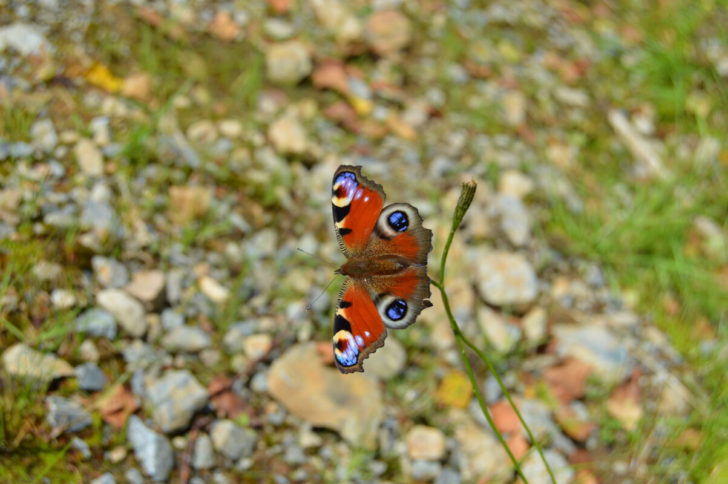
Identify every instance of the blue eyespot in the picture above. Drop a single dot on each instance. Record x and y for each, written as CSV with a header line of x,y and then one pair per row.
x,y
397,309
344,175
398,221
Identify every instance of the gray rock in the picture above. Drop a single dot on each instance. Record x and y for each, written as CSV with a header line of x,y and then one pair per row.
x,y
448,476
44,270
235,336
172,319
513,217
174,399
203,455
139,355
89,158
146,286
186,338
534,326
174,285
287,62
480,454
97,322
24,38
535,470
90,377
100,217
505,278
20,149
128,311
133,476
22,361
44,135
388,361
81,446
63,218
66,415
232,440
109,272
107,478
500,333
425,469
152,450
598,347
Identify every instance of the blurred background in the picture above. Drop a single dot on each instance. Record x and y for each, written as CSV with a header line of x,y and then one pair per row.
x,y
162,161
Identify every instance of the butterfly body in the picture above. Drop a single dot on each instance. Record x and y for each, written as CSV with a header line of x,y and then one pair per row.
x,y
387,283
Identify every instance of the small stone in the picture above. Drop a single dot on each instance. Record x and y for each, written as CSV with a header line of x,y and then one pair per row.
x,y
224,27
152,450
117,454
535,470
107,478
388,31
214,290
500,333
506,278
534,326
278,29
174,398
480,454
256,346
388,361
515,183
231,128
514,107
203,455
147,286
186,338
202,131
427,443
172,319
232,440
288,136
81,446
322,396
100,129
62,299
47,271
101,218
337,18
25,38
598,347
109,272
97,322
288,62
513,217
89,158
88,351
66,415
133,476
44,135
90,377
425,470
22,361
187,203
128,311
137,86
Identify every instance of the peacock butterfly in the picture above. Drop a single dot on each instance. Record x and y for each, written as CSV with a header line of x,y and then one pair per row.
x,y
387,284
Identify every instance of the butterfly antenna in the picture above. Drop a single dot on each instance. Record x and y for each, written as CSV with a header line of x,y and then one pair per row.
x,y
309,306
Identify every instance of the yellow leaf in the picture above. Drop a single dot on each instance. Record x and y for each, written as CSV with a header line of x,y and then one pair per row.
x,y
100,76
361,105
454,390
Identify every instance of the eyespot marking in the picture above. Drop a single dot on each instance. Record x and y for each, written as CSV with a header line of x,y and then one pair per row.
x,y
346,351
397,309
398,221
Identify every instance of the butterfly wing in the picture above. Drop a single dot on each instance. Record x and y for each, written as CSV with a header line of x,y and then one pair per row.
x,y
357,203
358,327
400,298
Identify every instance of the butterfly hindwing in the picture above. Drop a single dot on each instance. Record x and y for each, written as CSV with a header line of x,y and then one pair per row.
x,y
356,203
358,327
400,298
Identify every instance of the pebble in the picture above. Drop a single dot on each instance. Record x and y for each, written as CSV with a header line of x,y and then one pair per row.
x,y
186,338
126,310
388,31
44,135
515,183
81,446
287,62
337,18
62,299
203,455
22,361
109,272
425,443
256,346
89,158
505,278
232,440
66,415
322,396
234,337
152,450
388,361
288,135
425,469
596,346
25,38
107,478
535,326
47,271
535,470
100,130
147,286
513,217
101,218
514,108
90,377
214,290
502,334
88,351
480,454
174,399
172,319
97,322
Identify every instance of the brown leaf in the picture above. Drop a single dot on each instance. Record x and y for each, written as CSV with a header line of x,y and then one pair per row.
x,y
518,445
224,400
330,74
624,403
326,350
574,426
280,6
344,114
116,405
504,417
568,380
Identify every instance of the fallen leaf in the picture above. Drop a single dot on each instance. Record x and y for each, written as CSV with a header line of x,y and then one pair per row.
x,y
100,76
504,417
585,476
280,6
137,86
568,380
518,445
330,74
624,403
343,114
454,390
116,405
573,425
326,350
397,125
224,400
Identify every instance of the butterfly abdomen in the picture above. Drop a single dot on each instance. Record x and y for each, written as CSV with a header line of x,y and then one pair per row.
x,y
385,265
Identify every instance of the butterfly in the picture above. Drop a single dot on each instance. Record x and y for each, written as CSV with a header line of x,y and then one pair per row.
x,y
387,284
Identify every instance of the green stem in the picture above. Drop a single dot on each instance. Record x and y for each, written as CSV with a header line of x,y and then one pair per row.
x,y
466,197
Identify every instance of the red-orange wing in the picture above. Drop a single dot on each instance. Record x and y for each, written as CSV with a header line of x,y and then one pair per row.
x,y
356,202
